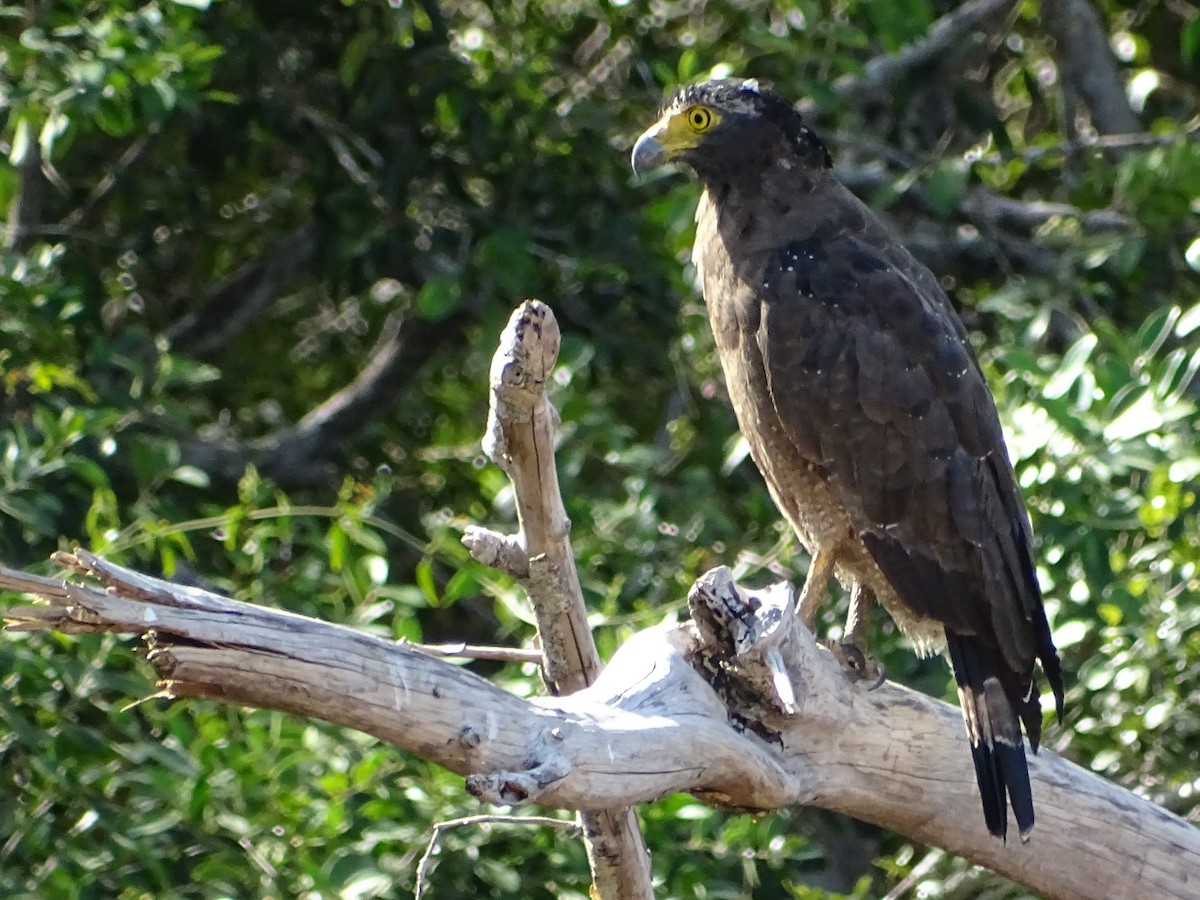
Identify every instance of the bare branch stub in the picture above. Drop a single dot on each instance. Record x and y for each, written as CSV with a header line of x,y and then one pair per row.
x,y
505,553
520,439
743,634
513,788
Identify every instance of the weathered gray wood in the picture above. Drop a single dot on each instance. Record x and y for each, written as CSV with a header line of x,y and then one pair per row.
x,y
520,440
650,726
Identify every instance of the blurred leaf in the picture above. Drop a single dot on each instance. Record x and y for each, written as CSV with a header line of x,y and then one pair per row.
x,y
945,185
20,142
1189,40
439,297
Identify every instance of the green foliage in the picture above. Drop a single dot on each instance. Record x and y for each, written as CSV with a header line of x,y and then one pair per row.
x,y
218,213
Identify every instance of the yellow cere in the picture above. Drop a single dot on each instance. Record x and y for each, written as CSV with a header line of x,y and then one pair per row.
x,y
678,130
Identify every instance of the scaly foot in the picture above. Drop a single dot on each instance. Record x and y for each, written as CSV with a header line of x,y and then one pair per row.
x,y
860,666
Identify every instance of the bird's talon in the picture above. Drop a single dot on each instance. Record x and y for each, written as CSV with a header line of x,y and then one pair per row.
x,y
879,678
852,657
860,666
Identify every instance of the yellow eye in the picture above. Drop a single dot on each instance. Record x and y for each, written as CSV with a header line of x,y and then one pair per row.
x,y
699,118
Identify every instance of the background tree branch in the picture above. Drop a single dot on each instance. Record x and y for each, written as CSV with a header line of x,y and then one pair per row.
x,y
1087,64
946,35
25,209
299,455
238,300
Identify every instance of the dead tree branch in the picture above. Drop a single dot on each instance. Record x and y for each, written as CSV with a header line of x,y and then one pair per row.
x,y
440,828
520,440
651,725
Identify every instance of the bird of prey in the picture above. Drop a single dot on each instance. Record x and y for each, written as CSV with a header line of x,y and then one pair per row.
x,y
867,414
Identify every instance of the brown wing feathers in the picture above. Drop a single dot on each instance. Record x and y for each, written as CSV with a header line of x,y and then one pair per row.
x,y
866,364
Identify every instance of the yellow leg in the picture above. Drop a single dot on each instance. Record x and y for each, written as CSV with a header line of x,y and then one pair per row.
x,y
861,599
815,585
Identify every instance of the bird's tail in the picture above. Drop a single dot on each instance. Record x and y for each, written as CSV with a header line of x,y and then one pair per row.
x,y
994,729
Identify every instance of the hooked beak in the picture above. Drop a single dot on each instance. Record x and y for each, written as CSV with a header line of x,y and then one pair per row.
x,y
649,152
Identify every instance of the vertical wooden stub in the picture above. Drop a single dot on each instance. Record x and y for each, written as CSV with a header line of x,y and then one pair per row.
x,y
520,439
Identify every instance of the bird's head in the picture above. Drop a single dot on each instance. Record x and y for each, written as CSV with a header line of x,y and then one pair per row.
x,y
724,126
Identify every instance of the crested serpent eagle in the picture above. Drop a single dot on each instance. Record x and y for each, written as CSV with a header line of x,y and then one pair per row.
x,y
867,413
